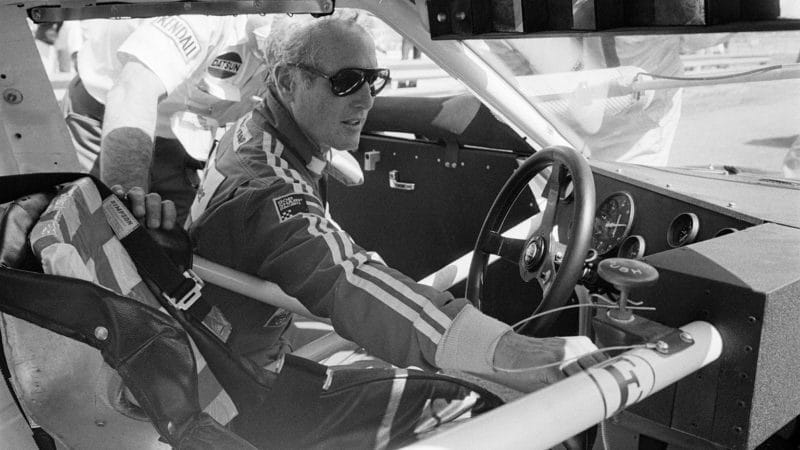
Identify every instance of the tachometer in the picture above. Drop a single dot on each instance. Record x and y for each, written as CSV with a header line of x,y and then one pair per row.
x,y
612,221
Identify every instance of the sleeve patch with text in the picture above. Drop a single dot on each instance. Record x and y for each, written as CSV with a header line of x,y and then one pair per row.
x,y
290,205
181,34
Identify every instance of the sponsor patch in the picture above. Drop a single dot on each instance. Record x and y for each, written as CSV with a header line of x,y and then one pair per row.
x,y
225,65
242,133
290,205
181,34
278,319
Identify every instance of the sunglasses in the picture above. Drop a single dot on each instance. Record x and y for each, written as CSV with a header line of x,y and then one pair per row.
x,y
349,80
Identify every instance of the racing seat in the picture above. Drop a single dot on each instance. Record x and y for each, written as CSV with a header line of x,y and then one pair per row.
x,y
71,238
71,391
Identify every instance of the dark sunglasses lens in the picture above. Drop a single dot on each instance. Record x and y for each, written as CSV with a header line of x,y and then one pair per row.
x,y
346,81
377,80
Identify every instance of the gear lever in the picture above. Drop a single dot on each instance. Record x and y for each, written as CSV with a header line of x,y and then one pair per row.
x,y
625,274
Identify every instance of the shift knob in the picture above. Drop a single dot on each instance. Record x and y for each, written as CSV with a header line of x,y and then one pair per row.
x,y
626,274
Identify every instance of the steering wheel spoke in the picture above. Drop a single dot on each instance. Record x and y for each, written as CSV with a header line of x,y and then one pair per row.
x,y
546,275
553,192
507,248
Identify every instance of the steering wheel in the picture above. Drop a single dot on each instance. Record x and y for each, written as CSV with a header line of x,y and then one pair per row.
x,y
556,266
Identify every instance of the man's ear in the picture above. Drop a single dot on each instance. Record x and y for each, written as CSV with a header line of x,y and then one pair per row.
x,y
284,81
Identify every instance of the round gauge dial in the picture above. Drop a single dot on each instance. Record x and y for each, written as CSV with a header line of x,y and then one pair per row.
x,y
683,230
632,247
612,221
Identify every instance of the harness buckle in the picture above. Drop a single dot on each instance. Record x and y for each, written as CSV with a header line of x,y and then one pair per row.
x,y
188,299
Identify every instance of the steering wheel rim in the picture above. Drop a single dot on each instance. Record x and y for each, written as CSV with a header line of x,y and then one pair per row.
x,y
536,255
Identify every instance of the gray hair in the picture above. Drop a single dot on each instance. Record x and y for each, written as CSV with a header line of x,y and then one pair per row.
x,y
300,42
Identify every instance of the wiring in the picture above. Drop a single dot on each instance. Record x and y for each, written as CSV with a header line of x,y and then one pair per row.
x,y
573,359
517,326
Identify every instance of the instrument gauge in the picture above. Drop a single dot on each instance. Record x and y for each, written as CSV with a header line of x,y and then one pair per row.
x,y
633,247
725,231
612,221
683,230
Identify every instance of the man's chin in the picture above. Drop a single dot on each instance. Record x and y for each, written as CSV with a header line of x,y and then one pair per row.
x,y
350,144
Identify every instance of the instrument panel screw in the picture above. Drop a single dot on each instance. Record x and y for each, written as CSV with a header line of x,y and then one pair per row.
x,y
441,17
731,204
662,347
668,186
461,15
36,15
100,422
12,96
686,337
101,333
327,6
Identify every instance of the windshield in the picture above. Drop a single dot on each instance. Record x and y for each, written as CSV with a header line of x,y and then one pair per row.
x,y
715,101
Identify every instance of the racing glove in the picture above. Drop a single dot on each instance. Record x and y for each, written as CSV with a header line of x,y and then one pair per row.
x,y
484,346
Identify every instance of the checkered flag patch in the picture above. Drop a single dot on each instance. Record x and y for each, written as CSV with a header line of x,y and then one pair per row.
x,y
290,205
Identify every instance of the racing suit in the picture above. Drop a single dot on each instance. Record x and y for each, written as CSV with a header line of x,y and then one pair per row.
x,y
210,71
260,210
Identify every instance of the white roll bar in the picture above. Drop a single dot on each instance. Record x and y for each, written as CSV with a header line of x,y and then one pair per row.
x,y
250,286
551,415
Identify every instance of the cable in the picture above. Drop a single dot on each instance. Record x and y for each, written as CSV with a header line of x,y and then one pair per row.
x,y
718,77
573,359
604,435
517,326
549,311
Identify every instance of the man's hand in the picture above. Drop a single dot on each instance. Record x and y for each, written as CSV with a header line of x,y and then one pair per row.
x,y
149,209
527,364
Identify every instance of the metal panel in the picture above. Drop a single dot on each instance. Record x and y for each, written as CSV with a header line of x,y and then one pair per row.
x,y
422,230
33,135
755,304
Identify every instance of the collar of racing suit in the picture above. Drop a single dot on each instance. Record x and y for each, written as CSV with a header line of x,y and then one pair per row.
x,y
281,123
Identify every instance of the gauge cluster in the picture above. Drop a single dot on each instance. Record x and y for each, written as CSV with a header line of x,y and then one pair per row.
x,y
633,222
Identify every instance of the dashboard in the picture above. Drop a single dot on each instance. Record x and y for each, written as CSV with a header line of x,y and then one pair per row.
x,y
634,221
727,251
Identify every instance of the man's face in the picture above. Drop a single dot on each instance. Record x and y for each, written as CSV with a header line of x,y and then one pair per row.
x,y
329,120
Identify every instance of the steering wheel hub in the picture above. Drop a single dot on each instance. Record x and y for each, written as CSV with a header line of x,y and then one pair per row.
x,y
535,251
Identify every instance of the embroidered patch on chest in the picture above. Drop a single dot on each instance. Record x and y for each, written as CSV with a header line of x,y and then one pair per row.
x,y
181,34
290,205
225,65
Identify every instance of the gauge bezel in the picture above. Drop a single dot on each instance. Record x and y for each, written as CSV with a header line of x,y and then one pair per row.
x,y
631,217
690,238
627,241
724,231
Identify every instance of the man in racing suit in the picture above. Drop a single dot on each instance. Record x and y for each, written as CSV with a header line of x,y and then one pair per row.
x,y
261,210
150,94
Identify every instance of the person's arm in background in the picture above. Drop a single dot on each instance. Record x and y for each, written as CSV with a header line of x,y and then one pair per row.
x,y
129,126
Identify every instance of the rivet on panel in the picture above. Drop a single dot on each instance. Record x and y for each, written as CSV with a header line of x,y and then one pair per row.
x,y
101,333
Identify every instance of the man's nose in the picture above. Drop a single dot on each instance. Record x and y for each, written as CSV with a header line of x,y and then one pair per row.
x,y
362,97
